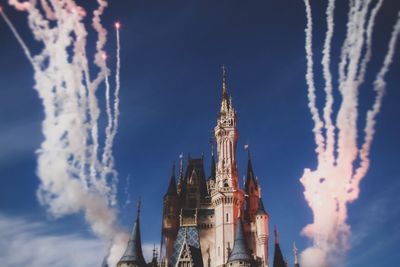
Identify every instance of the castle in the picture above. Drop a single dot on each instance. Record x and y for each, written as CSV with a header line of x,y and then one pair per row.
x,y
211,221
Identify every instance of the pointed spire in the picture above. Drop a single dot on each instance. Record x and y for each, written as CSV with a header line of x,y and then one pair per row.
x,y
240,250
296,255
154,260
133,253
279,261
261,209
172,184
224,101
230,104
180,179
250,172
154,251
213,166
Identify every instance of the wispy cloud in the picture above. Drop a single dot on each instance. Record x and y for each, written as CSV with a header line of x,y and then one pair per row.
x,y
148,251
374,230
18,140
32,243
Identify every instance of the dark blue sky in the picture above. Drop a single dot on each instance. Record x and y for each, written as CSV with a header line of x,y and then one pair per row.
x,y
171,86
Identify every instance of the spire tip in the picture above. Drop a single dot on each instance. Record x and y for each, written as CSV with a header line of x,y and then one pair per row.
x,y
276,235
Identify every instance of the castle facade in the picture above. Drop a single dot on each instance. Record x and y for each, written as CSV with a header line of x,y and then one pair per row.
x,y
210,221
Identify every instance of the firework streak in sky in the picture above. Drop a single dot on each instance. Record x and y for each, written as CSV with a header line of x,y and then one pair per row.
x,y
76,173
341,163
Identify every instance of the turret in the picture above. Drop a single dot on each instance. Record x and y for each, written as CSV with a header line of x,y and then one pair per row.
x,y
240,254
226,136
262,233
227,198
133,255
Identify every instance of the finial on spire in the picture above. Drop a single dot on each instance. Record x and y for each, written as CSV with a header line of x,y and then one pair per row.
x,y
247,148
224,102
173,168
223,74
138,209
154,251
276,235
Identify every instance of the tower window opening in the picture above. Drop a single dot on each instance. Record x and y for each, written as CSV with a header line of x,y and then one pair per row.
x,y
227,217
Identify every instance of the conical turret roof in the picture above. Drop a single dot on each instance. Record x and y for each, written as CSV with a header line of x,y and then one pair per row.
x,y
250,173
261,209
133,253
240,249
278,257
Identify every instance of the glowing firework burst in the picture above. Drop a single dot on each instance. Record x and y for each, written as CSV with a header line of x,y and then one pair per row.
x,y
76,173
335,181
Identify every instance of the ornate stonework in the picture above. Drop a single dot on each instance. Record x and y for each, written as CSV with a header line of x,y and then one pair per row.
x,y
211,221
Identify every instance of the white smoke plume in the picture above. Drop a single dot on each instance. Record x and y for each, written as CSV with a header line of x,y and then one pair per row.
x,y
74,177
341,162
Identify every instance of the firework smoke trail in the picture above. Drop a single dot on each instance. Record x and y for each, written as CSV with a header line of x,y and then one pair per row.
x,y
112,127
369,130
341,163
117,83
311,85
107,158
17,36
71,173
329,128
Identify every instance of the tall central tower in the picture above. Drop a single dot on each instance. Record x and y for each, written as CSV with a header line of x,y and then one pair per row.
x,y
227,198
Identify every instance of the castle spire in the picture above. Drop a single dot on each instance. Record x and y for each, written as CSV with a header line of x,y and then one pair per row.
x,y
279,261
226,196
250,173
276,236
296,255
224,101
213,167
172,184
180,178
133,255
